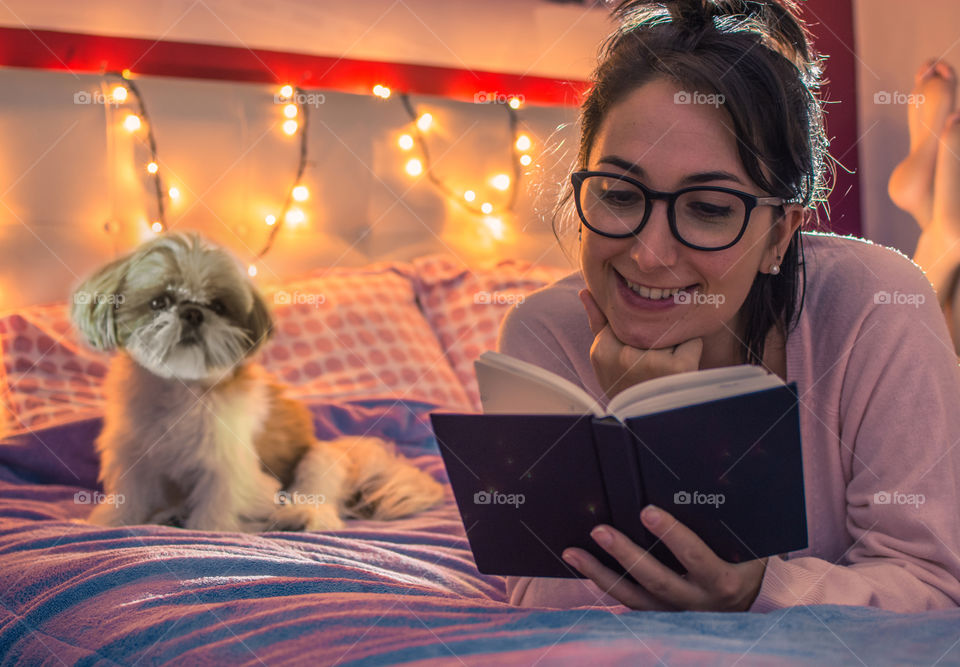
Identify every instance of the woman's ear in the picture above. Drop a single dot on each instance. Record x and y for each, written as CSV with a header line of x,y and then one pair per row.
x,y
782,230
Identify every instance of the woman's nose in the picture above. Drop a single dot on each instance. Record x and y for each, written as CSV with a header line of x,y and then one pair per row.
x,y
655,246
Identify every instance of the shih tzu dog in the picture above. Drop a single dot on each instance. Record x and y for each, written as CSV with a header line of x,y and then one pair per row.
x,y
194,433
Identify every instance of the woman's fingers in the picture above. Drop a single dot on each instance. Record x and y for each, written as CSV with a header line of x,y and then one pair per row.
x,y
617,586
597,319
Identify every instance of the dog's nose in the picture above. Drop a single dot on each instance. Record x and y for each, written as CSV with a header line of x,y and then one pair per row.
x,y
192,316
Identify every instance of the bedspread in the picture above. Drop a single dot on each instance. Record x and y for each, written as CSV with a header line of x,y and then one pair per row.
x,y
374,593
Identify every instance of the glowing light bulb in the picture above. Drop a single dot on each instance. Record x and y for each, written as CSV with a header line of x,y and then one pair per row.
x,y
514,102
500,181
495,225
132,122
153,167
469,195
290,111
294,217
523,143
174,193
300,193
424,122
525,160
381,91
290,127
119,94
270,220
486,207
252,270
286,92
414,167
157,227
126,74
405,142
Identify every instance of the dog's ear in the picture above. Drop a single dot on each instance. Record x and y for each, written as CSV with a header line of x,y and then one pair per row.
x,y
259,322
93,308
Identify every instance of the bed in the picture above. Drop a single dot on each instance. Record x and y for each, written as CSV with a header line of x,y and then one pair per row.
x,y
375,351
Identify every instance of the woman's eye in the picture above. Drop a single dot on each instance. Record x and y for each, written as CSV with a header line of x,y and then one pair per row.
x,y
705,210
620,198
161,302
217,306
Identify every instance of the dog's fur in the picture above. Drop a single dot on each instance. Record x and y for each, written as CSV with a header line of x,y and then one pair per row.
x,y
197,435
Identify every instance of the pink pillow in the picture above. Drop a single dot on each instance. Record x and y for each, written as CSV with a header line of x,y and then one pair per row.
x,y
49,374
358,333
466,306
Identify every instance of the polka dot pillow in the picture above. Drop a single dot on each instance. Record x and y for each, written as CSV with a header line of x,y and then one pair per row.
x,y
48,373
465,307
358,333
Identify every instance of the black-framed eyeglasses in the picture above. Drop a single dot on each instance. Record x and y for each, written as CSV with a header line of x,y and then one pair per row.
x,y
700,217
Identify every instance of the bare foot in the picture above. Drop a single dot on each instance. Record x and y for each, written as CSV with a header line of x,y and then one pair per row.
x,y
938,249
911,184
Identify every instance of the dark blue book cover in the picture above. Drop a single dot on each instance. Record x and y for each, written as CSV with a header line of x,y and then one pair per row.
x,y
529,486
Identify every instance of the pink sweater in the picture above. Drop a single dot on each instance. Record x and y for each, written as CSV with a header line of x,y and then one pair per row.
x,y
879,393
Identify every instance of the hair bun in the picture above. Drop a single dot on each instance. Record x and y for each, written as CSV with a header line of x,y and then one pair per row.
x,y
693,16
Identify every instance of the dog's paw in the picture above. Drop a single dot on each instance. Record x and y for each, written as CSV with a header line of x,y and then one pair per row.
x,y
106,514
305,517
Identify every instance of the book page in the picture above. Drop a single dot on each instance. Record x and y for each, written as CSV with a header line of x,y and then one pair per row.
x,y
698,395
510,386
681,381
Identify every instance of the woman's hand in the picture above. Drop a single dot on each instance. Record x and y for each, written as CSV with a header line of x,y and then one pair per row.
x,y
711,584
619,366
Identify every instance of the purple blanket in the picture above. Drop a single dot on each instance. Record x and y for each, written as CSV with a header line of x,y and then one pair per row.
x,y
375,593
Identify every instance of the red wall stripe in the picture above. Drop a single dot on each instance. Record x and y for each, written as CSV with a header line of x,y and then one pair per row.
x,y
75,52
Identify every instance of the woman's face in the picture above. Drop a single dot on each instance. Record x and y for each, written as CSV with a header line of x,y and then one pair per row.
x,y
668,146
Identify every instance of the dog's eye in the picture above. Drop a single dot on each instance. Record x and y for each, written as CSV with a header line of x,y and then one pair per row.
x,y
217,306
161,302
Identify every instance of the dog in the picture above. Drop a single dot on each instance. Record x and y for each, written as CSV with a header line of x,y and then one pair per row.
x,y
197,435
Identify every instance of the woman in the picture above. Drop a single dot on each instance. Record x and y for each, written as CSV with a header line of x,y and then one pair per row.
x,y
721,97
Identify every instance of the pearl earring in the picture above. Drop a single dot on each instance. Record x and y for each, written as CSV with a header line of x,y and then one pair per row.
x,y
775,268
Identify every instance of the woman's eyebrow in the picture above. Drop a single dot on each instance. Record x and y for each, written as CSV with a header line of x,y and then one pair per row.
x,y
691,179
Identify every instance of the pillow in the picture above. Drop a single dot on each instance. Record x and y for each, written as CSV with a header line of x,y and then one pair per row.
x,y
342,333
358,333
466,306
48,372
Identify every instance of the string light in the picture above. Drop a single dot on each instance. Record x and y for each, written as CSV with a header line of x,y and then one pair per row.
x,y
252,271
525,160
414,167
157,227
286,92
132,122
152,167
300,193
270,220
405,142
523,143
125,74
174,193
514,103
119,94
424,122
500,182
486,207
381,91
290,110
290,127
294,217
470,195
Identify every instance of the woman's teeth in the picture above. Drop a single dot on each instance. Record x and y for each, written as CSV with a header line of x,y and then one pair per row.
x,y
653,292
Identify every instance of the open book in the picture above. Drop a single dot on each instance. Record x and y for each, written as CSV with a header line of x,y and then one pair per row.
x,y
719,449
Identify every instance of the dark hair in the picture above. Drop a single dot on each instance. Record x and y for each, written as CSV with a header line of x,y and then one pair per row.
x,y
757,55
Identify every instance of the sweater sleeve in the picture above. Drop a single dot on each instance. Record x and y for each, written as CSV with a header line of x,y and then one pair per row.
x,y
900,426
527,333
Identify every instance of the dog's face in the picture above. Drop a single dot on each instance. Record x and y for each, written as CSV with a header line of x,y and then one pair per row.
x,y
181,307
